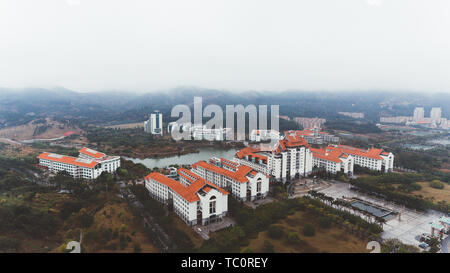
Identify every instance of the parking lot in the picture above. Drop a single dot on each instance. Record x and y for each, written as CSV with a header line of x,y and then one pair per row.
x,y
405,227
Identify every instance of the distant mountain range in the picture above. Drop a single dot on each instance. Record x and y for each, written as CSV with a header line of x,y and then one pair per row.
x,y
18,106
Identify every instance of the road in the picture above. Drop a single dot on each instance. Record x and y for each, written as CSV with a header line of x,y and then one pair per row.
x,y
444,244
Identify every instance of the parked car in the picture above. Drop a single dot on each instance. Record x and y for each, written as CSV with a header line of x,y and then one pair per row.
x,y
424,245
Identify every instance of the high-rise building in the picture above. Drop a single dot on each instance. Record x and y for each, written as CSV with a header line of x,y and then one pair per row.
x,y
419,114
435,114
154,124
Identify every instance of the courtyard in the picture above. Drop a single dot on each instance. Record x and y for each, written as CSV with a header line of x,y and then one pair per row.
x,y
405,226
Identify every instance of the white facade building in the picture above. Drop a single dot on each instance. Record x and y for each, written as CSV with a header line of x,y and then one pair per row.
x,y
194,200
154,124
290,158
436,114
264,135
419,114
244,183
333,161
374,159
88,165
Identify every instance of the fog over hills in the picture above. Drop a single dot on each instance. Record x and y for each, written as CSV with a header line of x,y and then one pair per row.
x,y
18,106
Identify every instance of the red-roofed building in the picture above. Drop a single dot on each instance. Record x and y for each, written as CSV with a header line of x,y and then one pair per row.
x,y
88,165
243,183
76,167
332,161
374,159
108,163
314,136
195,200
291,158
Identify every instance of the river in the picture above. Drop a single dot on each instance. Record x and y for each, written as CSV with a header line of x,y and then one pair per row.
x,y
204,154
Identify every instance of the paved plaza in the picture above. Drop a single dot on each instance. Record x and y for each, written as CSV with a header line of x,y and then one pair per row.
x,y
205,230
405,227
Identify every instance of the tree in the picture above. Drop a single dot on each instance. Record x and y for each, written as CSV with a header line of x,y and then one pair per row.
x,y
308,230
275,232
86,220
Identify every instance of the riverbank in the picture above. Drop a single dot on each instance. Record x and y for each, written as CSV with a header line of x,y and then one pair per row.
x,y
203,153
172,150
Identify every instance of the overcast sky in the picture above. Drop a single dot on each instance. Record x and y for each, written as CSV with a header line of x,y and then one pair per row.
x,y
91,45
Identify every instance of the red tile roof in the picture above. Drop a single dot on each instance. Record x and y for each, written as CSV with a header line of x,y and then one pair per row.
x,y
291,141
189,193
92,153
69,160
373,153
327,154
175,186
251,153
239,175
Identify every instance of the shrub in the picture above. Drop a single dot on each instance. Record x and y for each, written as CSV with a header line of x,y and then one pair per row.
x,y
247,250
275,232
325,222
294,238
7,243
308,230
437,184
86,220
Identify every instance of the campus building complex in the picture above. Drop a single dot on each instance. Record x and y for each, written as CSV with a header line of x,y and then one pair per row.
x,y
314,136
418,118
264,135
88,165
293,157
194,200
243,182
198,131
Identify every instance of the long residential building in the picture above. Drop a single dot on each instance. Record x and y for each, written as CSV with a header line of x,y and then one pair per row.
x,y
243,182
374,159
194,200
88,165
332,161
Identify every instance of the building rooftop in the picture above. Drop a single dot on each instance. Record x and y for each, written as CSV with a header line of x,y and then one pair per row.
x,y
87,163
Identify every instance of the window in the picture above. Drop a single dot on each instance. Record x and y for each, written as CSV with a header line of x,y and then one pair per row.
x,y
212,207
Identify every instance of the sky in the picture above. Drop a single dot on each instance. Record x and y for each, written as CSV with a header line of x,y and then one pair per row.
x,y
238,45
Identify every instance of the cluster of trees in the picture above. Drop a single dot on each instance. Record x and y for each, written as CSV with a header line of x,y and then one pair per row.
x,y
397,188
19,218
159,212
419,161
340,208
354,127
252,221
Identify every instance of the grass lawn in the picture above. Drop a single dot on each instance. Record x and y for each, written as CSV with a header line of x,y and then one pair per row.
x,y
333,240
437,194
